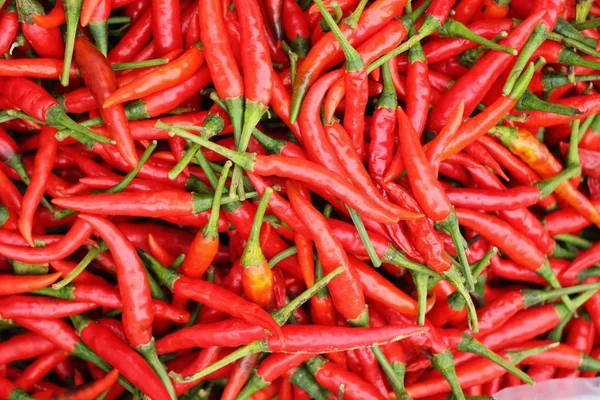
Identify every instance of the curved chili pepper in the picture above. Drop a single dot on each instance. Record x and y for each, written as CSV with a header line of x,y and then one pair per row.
x,y
205,245
435,205
42,366
138,313
47,42
44,162
319,149
118,354
347,295
9,24
481,76
219,57
518,169
160,78
68,244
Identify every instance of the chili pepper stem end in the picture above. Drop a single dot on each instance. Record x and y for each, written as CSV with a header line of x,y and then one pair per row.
x,y
444,362
535,40
421,281
148,351
471,345
450,226
545,271
456,280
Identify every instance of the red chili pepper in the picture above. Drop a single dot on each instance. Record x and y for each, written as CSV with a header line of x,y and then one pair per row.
x,y
355,81
38,369
68,244
587,105
435,205
239,376
35,101
44,162
509,199
318,147
581,337
472,86
160,78
510,241
417,89
475,373
87,10
166,26
331,376
214,297
562,356
383,127
484,121
134,40
10,195
118,354
9,25
345,291
219,57
47,42
295,25
505,307
65,338
138,313
518,169
24,346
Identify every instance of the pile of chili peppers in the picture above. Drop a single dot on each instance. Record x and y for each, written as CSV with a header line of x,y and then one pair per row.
x,y
326,199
